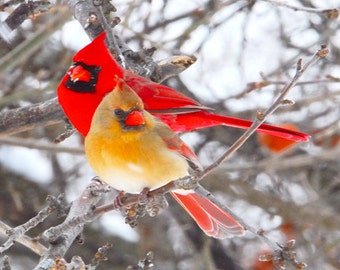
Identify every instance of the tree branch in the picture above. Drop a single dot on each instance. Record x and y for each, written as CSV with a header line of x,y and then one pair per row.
x,y
24,240
26,118
61,240
40,145
300,70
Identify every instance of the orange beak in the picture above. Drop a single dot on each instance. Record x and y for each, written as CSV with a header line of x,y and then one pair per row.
x,y
135,118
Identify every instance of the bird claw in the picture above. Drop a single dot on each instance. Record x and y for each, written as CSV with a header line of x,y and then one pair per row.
x,y
131,211
146,204
155,204
143,197
187,182
118,202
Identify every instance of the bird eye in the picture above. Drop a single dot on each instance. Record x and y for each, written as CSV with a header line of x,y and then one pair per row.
x,y
119,113
82,78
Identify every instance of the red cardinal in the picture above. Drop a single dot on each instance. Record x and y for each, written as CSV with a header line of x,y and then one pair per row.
x,y
130,150
92,76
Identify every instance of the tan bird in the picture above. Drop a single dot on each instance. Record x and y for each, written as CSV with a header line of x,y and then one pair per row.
x,y
130,150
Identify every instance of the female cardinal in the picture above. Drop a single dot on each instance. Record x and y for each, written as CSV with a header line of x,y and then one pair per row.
x,y
92,76
131,150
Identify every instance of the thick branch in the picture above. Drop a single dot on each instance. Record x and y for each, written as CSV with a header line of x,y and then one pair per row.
x,y
26,118
60,242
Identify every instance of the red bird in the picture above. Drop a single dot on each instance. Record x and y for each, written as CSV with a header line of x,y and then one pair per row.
x,y
92,76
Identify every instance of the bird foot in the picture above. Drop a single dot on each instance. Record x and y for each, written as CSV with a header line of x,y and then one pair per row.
x,y
187,182
145,204
153,203
129,205
119,201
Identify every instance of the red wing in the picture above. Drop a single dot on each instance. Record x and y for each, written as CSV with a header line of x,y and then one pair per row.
x,y
175,143
159,97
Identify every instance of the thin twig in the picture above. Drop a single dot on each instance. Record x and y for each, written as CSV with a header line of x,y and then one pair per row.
x,y
41,145
301,8
300,70
276,163
24,240
5,265
252,86
18,232
30,45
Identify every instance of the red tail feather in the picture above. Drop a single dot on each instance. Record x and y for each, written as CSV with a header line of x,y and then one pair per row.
x,y
203,119
209,217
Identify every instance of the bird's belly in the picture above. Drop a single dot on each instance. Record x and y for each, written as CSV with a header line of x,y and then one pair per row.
x,y
131,168
131,181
